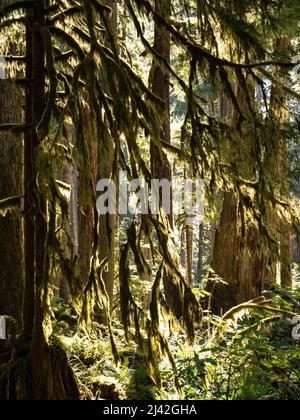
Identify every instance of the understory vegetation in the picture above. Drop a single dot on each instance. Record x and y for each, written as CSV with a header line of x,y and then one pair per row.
x,y
249,354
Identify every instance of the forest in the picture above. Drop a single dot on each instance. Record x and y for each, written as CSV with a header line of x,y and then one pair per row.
x,y
149,200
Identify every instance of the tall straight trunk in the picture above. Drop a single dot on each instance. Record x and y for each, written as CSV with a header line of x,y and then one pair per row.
x,y
37,208
29,254
86,217
161,168
281,115
11,232
160,84
106,151
38,103
49,377
38,370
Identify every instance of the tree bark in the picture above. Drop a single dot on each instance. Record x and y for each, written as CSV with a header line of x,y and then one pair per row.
x,y
11,231
281,117
160,85
86,217
49,376
161,169
29,242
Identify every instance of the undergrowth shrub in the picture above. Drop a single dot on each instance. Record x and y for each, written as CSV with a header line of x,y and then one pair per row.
x,y
252,355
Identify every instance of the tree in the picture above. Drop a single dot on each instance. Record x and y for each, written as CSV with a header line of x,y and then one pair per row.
x,y
11,164
248,265
281,118
240,261
107,170
160,166
49,376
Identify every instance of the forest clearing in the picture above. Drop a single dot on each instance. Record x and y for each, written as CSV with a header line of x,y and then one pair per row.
x,y
149,201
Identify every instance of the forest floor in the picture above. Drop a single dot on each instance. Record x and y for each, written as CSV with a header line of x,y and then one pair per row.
x,y
255,355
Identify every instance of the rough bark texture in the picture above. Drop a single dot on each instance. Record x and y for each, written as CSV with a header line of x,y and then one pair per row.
x,y
29,252
11,232
241,265
86,212
281,115
160,83
224,259
11,168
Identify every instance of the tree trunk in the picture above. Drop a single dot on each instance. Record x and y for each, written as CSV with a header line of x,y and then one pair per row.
x,y
281,116
160,84
86,215
11,231
224,259
50,374
36,370
106,150
161,169
29,243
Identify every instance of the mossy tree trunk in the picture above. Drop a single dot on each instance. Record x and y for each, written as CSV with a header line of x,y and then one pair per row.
x,y
106,152
50,374
161,169
281,117
36,369
86,213
11,232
